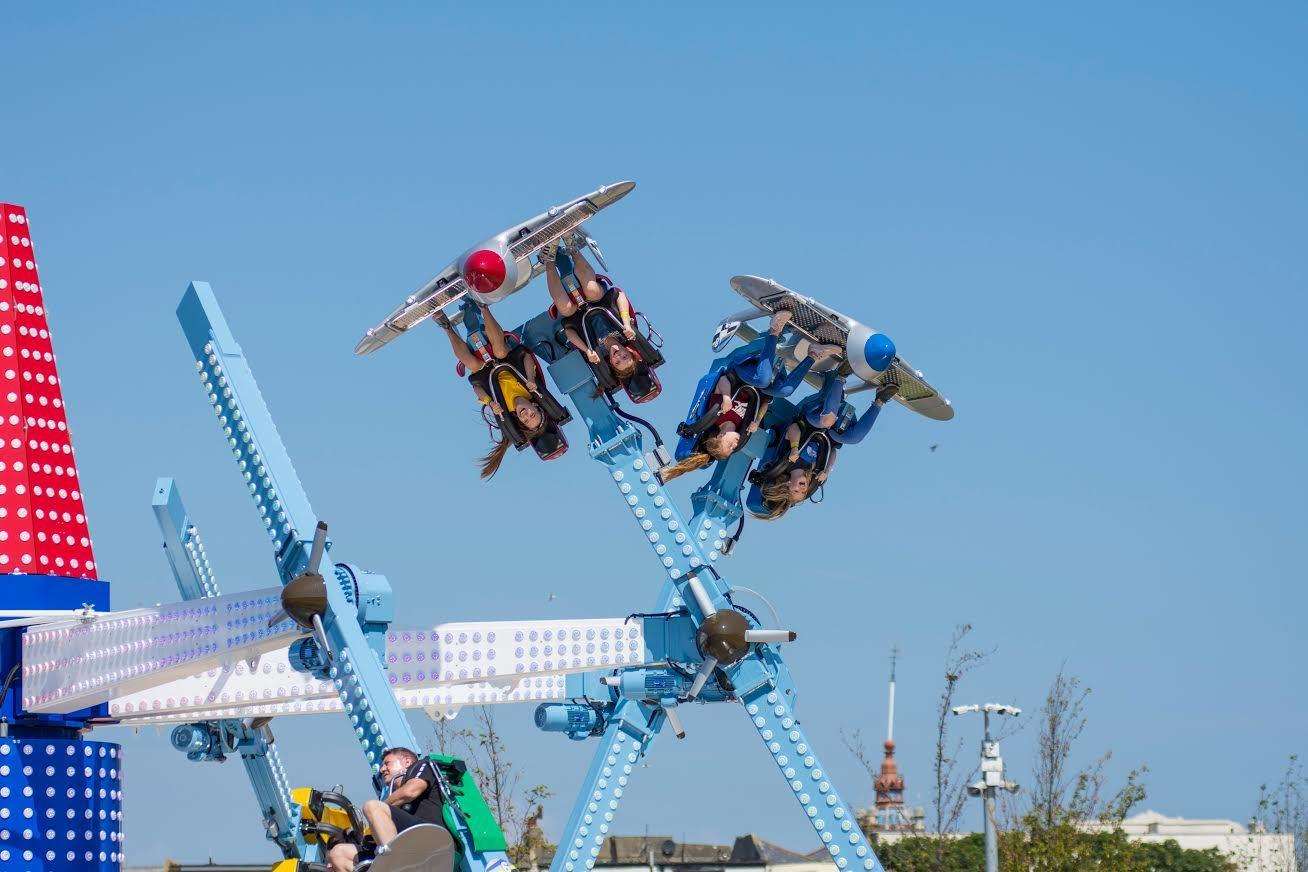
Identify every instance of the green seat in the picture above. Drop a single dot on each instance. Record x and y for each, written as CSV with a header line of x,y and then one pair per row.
x,y
485,830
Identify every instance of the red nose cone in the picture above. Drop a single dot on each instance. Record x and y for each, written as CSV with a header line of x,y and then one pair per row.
x,y
484,270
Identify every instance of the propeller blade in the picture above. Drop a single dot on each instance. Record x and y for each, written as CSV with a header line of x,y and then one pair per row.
x,y
319,545
701,678
320,632
702,599
674,721
769,637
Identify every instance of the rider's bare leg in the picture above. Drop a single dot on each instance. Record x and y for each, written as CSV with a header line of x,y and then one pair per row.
x,y
562,300
341,858
590,286
466,355
494,334
379,818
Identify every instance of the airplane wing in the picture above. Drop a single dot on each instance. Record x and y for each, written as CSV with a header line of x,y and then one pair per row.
x,y
523,240
818,323
448,665
73,664
914,391
441,291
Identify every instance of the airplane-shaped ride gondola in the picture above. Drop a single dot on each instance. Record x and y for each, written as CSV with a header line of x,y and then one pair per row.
x,y
497,267
868,354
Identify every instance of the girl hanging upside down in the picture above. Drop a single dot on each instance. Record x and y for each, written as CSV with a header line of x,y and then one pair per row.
x,y
597,319
734,396
506,378
803,452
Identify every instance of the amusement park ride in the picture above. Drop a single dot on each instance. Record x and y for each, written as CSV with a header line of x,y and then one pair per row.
x,y
221,667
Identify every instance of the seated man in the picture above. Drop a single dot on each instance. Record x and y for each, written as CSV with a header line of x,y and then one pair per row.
x,y
412,798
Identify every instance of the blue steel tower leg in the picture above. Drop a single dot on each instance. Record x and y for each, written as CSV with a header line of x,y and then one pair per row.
x,y
769,697
630,729
263,763
354,666
760,681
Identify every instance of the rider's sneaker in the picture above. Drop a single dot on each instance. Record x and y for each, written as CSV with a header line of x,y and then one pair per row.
x,y
780,320
441,318
885,392
547,254
683,430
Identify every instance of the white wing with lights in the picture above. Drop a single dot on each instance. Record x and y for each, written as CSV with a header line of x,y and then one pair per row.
x,y
74,664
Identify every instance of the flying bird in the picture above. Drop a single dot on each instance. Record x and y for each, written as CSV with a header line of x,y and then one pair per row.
x,y
934,446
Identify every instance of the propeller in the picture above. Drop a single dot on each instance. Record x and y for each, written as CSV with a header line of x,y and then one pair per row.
x,y
304,598
724,636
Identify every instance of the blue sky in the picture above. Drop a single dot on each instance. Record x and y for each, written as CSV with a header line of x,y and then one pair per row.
x,y
1085,224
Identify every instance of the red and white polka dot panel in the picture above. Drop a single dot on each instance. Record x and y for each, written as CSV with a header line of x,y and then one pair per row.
x,y
43,527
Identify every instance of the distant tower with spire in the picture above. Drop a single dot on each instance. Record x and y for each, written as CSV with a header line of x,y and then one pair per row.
x,y
889,814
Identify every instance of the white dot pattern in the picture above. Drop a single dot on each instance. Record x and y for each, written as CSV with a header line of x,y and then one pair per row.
x,y
41,506
60,803
70,665
444,667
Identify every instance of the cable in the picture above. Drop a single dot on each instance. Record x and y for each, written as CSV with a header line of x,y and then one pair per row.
x,y
9,679
675,614
775,615
735,605
740,528
658,440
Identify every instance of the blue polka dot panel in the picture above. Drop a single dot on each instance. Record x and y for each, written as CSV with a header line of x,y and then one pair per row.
x,y
60,805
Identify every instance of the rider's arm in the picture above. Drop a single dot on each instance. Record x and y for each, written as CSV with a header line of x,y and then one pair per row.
x,y
577,343
792,437
624,311
832,454
408,791
763,403
529,368
724,393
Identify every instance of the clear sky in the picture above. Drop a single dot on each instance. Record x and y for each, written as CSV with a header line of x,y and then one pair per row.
x,y
1087,225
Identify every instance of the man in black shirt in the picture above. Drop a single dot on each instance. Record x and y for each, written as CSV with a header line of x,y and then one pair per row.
x,y
412,798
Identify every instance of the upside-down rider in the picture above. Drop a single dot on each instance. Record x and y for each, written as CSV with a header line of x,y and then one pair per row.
x,y
732,399
596,317
804,450
411,798
505,376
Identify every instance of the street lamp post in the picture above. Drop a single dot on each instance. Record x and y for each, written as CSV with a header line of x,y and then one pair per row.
x,y
992,775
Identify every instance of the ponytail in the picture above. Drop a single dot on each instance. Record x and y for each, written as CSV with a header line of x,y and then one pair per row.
x,y
698,460
491,460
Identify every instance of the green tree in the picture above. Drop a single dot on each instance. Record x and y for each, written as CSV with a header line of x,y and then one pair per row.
x,y
1070,823
933,854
